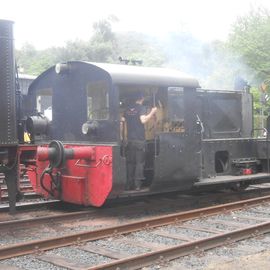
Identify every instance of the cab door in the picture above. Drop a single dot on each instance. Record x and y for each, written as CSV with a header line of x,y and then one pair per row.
x,y
177,159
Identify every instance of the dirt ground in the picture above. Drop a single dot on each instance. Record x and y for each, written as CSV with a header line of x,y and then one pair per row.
x,y
259,261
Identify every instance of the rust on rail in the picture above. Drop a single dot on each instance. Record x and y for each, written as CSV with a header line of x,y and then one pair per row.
x,y
56,242
139,261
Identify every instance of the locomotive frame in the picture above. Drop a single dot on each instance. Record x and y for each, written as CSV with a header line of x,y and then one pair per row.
x,y
76,152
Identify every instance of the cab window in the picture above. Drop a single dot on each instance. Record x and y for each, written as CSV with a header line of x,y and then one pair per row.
x,y
175,110
44,102
176,103
97,100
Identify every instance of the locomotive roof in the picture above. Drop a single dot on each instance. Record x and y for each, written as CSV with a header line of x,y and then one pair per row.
x,y
126,74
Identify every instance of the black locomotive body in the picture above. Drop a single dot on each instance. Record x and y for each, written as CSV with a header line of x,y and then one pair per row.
x,y
199,137
68,136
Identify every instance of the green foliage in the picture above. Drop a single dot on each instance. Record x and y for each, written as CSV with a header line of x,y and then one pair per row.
x,y
103,30
250,41
26,56
256,99
103,46
137,46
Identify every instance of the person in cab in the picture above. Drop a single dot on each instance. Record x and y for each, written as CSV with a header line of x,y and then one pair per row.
x,y
135,116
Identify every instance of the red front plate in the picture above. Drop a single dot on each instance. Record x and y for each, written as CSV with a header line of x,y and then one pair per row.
x,y
82,181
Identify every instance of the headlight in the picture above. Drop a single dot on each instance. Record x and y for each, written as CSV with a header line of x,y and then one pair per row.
x,y
37,125
61,68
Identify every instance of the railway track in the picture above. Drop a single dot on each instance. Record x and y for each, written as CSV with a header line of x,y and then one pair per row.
x,y
176,203
33,204
211,227
33,201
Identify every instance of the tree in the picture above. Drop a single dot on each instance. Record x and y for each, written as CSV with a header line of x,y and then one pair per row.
x,y
103,30
250,41
73,50
103,46
25,57
137,46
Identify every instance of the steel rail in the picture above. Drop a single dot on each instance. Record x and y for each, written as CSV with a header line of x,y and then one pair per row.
x,y
40,220
85,213
30,205
164,255
56,242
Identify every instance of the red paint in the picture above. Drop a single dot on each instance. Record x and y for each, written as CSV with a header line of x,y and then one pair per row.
x,y
247,171
42,153
86,152
94,177
27,156
86,177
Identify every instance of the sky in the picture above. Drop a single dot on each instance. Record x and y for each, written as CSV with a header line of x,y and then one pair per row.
x,y
52,22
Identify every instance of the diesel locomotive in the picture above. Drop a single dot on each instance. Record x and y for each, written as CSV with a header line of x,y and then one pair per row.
x,y
76,146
